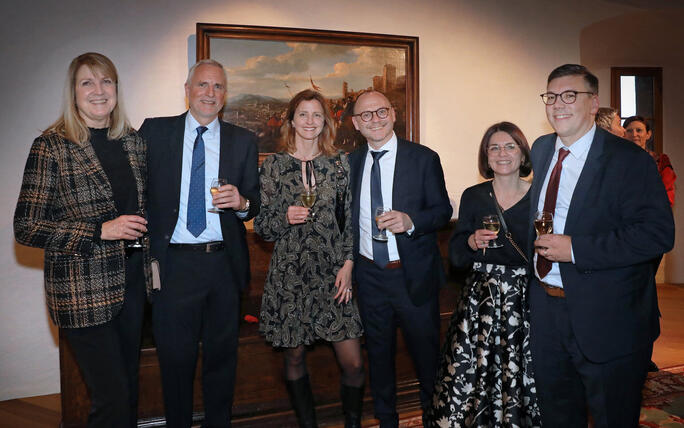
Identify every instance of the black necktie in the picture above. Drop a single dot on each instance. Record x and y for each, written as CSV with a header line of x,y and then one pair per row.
x,y
380,253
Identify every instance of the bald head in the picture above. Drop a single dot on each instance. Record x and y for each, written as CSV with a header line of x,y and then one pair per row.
x,y
377,130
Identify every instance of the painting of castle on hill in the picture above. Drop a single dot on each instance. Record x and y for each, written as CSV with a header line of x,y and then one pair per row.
x,y
263,75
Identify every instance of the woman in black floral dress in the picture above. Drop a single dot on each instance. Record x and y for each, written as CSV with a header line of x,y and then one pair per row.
x,y
484,377
308,295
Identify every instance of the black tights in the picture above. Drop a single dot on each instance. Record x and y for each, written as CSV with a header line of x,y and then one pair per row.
x,y
348,353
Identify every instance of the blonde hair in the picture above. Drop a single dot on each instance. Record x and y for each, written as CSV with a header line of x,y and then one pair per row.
x,y
70,124
326,140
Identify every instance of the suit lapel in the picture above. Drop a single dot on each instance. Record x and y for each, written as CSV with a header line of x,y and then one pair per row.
x,y
540,173
399,162
175,149
129,144
86,156
226,155
591,168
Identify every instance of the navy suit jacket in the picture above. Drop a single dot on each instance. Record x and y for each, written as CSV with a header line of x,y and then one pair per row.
x,y
619,221
420,192
238,163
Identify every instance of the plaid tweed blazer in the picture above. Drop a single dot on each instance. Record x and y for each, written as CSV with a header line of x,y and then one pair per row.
x,y
65,197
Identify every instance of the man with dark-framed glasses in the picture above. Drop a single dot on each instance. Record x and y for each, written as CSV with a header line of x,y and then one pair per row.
x,y
593,303
399,276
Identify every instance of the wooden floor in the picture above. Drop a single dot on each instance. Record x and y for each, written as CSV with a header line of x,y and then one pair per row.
x,y
44,411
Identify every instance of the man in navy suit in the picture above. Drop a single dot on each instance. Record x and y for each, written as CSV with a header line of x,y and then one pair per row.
x,y
398,279
593,303
202,256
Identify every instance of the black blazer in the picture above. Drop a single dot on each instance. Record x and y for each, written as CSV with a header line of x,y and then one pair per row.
x,y
619,221
238,163
420,192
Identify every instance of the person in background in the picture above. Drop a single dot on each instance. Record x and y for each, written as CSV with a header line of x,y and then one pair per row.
x,y
638,131
609,119
82,200
202,256
593,299
308,291
398,274
484,376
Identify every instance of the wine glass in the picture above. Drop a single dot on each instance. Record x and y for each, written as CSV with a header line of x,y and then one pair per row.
x,y
491,223
543,223
137,242
215,184
382,234
308,198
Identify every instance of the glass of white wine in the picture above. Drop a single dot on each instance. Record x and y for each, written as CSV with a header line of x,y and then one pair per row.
x,y
382,234
543,223
308,198
215,184
491,223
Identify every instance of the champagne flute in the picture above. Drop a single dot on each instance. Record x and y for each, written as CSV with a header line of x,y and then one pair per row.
x,y
215,184
382,234
491,223
308,198
543,223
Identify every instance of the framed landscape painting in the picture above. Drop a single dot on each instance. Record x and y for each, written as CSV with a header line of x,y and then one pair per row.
x,y
266,66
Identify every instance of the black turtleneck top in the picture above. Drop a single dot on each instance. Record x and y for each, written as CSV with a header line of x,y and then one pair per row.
x,y
114,161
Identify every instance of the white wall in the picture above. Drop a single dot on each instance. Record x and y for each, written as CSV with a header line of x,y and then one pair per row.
x,y
481,61
607,44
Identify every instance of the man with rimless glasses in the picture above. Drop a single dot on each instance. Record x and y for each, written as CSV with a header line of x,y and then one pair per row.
x,y
398,276
593,303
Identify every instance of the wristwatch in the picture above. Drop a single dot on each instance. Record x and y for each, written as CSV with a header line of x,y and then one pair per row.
x,y
246,208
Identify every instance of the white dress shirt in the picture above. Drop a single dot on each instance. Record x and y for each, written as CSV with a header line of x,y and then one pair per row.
x,y
212,149
366,216
572,168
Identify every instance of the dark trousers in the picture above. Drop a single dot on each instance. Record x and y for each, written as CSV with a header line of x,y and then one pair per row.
x,y
198,302
108,356
384,303
567,382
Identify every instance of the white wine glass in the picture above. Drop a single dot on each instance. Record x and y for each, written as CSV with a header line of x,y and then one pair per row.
x,y
382,234
215,184
308,199
491,223
543,223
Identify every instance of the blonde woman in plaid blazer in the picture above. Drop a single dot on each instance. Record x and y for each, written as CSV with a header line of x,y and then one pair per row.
x,y
82,174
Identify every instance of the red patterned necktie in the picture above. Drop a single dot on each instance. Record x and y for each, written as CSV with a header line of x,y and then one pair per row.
x,y
544,264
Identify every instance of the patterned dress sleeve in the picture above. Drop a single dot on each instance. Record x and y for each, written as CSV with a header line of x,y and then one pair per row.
x,y
35,218
271,222
347,235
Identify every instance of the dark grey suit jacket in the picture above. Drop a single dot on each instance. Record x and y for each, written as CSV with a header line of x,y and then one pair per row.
x,y
238,163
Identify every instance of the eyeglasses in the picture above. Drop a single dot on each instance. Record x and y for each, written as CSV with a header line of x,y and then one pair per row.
x,y
367,116
568,97
496,149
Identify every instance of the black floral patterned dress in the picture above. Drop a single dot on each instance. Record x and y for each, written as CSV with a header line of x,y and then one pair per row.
x,y
298,305
485,377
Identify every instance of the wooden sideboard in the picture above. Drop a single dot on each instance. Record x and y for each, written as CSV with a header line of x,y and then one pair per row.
x,y
260,396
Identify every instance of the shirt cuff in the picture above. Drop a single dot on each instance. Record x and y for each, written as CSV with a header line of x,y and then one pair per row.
x,y
241,214
572,255
411,230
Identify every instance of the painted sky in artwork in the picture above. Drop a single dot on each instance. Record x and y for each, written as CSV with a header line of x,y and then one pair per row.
x,y
266,67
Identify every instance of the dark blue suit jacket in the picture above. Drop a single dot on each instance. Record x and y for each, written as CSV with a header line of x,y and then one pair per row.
x,y
619,221
238,163
420,192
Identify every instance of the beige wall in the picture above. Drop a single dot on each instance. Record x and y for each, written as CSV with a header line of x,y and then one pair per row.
x,y
641,39
481,61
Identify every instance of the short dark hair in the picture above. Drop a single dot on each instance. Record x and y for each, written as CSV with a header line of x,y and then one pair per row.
x,y
519,138
575,70
637,119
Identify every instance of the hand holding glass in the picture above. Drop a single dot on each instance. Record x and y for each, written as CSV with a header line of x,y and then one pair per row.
x,y
382,234
137,242
491,223
214,189
308,198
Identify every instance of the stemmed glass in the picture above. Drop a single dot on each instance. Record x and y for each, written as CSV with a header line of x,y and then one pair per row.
x,y
382,234
308,198
543,223
491,223
137,242
215,184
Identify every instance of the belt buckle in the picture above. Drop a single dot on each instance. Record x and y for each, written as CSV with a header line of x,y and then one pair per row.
x,y
208,247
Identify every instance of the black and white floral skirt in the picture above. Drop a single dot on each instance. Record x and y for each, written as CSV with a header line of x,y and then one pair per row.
x,y
484,377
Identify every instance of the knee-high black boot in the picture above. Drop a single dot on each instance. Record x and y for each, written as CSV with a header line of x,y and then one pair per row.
x,y
302,401
352,401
